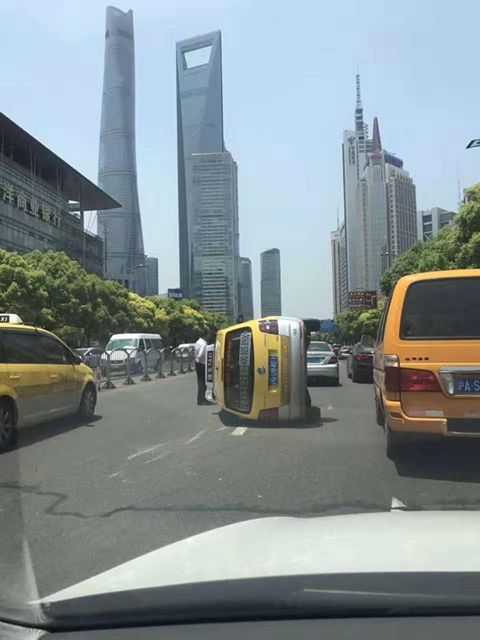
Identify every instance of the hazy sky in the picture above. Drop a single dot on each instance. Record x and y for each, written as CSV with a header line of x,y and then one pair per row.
x,y
289,92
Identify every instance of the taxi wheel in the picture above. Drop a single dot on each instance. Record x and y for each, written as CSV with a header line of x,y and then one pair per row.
x,y
7,424
87,403
395,446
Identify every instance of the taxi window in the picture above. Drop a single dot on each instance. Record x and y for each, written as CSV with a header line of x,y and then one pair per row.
x,y
54,351
442,309
22,347
239,370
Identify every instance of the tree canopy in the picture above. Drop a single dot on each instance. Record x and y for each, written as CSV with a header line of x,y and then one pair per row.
x,y
52,291
455,247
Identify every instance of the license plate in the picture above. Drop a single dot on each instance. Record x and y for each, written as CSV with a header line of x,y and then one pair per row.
x,y
273,371
315,360
465,386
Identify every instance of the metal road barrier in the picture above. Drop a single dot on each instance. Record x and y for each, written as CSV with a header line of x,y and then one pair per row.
x,y
110,368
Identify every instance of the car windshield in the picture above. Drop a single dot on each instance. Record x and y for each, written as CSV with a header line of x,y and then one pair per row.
x,y
122,343
239,309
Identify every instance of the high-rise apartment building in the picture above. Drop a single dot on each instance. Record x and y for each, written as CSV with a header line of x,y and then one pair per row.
x,y
245,293
343,269
430,221
336,285
121,229
213,207
270,283
151,265
199,128
402,211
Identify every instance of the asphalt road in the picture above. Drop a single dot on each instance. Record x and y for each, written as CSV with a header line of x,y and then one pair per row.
x,y
153,468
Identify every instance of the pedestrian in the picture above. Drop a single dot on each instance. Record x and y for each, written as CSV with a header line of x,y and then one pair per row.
x,y
200,361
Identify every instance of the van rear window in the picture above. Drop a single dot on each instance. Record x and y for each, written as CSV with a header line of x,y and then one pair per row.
x,y
238,372
442,310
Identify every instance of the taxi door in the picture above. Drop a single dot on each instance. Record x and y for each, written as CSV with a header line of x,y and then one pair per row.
x,y
65,381
27,374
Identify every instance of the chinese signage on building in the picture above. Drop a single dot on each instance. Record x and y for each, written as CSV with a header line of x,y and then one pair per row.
x,y
362,300
17,198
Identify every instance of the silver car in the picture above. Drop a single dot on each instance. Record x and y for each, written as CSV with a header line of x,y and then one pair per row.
x,y
322,363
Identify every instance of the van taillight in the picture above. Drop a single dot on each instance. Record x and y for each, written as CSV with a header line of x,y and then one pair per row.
x,y
391,366
418,380
268,326
333,360
268,415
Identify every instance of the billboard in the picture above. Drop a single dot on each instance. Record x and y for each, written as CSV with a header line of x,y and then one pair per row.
x,y
175,294
362,300
327,326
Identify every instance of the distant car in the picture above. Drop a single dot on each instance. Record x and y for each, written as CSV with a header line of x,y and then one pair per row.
x,y
344,352
360,363
322,363
335,348
90,355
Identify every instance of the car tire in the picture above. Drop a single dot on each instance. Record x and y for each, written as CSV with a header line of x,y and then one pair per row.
x,y
336,382
349,373
7,424
86,410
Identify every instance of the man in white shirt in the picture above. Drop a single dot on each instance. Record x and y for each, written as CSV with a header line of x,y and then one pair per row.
x,y
200,361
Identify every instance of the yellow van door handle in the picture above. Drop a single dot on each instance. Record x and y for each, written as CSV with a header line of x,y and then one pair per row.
x,y
54,376
14,377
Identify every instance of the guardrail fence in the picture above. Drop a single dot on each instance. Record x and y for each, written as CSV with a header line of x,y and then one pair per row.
x,y
138,366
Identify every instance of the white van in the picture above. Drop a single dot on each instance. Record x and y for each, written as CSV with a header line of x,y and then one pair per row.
x,y
135,345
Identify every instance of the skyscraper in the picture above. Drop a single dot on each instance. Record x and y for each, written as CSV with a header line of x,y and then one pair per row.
x,y
152,276
121,228
336,286
343,269
270,283
354,154
199,127
245,295
213,201
388,209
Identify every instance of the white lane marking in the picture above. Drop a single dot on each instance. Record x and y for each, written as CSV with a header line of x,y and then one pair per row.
x,y
195,437
239,431
114,475
162,455
142,452
222,428
329,408
397,505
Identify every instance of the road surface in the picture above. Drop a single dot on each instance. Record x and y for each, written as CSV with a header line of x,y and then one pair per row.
x,y
154,467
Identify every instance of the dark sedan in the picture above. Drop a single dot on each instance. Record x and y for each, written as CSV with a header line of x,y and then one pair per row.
x,y
360,363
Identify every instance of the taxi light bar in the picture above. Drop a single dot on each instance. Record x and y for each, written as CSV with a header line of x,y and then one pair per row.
x,y
10,318
268,326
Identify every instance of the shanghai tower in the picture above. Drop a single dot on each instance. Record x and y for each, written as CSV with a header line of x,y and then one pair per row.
x,y
120,228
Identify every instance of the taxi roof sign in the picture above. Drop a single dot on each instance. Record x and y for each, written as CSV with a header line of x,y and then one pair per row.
x,y
10,318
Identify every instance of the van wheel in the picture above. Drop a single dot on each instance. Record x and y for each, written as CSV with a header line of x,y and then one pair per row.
x,y
86,409
7,424
395,446
379,414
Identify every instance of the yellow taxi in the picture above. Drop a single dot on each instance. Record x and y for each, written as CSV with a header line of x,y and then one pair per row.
x,y
260,369
426,364
40,379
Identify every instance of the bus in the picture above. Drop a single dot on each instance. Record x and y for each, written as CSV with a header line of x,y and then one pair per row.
x,y
260,369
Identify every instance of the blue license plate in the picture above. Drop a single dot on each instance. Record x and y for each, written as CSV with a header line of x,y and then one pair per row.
x,y
273,371
467,385
315,360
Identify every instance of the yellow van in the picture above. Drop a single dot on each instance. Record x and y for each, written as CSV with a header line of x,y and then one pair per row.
x,y
426,364
260,369
40,379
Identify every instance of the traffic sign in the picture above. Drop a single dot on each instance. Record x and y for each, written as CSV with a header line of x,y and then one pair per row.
x,y
327,326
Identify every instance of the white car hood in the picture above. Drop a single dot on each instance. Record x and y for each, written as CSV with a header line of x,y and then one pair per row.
x,y
267,547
